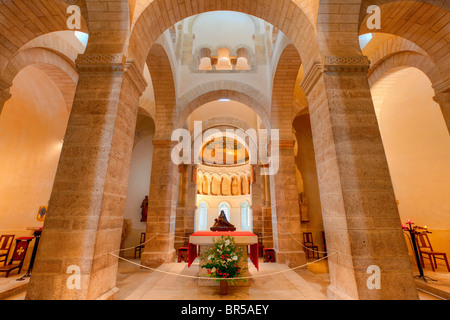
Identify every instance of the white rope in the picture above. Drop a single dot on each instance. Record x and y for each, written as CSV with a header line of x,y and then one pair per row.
x,y
209,278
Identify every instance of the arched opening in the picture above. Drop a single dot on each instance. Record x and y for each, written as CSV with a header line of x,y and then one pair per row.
x,y
417,147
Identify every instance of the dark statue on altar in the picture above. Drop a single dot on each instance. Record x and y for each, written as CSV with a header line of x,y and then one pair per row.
x,y
222,224
144,211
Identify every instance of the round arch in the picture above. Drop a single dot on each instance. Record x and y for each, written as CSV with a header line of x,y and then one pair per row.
x,y
286,15
403,59
190,106
424,30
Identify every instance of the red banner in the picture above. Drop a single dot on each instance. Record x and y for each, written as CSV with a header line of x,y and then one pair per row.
x,y
254,255
192,253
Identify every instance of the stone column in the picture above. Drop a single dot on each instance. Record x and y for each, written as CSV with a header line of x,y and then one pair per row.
x,y
181,210
191,199
162,206
285,208
443,98
267,215
5,87
360,214
257,200
85,214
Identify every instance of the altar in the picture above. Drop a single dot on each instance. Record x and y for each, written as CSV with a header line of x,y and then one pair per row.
x,y
203,240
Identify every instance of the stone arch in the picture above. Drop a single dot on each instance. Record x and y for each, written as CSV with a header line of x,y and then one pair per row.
x,y
283,91
421,22
59,68
35,20
164,91
286,15
226,185
404,59
145,127
187,106
393,46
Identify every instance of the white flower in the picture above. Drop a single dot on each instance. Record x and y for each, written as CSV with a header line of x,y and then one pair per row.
x,y
235,258
213,269
210,257
227,242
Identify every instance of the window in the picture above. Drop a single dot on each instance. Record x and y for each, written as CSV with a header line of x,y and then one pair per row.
x,y
226,208
202,216
245,217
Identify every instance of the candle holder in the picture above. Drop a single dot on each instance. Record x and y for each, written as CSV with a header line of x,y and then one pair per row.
x,y
411,232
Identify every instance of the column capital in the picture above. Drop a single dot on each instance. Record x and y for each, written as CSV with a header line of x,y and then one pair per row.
x,y
346,64
311,77
101,62
135,75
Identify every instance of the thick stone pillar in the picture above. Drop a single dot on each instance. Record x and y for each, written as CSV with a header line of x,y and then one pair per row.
x,y
85,214
285,208
161,207
360,214
4,93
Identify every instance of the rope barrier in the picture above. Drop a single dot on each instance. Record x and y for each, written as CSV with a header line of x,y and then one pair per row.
x,y
209,278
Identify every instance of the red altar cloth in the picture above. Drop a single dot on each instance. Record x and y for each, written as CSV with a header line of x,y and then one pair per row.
x,y
253,247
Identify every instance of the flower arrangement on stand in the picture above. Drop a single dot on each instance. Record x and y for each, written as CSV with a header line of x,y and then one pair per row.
x,y
222,262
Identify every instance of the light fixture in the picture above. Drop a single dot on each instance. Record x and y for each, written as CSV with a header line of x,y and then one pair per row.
x,y
224,100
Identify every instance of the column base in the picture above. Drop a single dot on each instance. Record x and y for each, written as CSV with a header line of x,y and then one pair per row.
x,y
155,259
291,258
112,294
334,293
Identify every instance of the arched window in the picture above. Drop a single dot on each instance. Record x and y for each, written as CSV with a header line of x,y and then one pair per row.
x,y
245,217
224,206
202,216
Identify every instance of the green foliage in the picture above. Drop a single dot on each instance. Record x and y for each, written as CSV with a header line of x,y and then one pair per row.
x,y
223,260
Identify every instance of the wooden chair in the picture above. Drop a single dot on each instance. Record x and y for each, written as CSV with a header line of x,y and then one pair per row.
x,y
183,252
425,248
269,255
140,246
6,242
309,243
18,257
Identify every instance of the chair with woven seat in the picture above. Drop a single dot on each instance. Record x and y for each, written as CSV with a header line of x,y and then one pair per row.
x,y
426,251
309,244
6,242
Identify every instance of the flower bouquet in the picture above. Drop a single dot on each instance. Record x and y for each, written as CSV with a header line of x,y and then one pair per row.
x,y
222,261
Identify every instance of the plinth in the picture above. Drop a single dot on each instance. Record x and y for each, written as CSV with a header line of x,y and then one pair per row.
x,y
243,239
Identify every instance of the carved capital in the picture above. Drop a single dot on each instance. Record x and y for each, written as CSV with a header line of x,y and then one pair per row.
x,y
311,77
346,64
135,75
101,63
